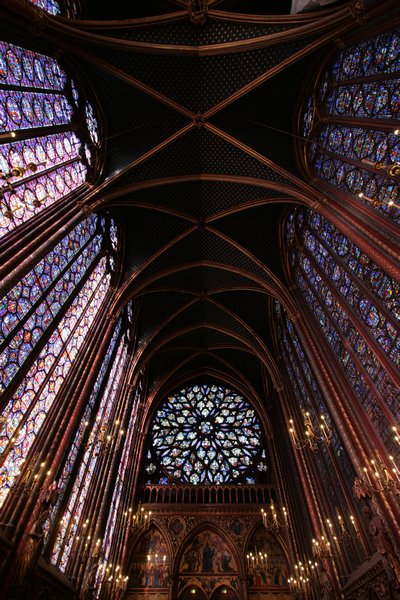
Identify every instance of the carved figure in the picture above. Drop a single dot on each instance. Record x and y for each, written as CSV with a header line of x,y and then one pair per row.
x,y
384,545
361,490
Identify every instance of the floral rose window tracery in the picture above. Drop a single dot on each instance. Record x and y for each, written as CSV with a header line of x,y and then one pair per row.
x,y
206,434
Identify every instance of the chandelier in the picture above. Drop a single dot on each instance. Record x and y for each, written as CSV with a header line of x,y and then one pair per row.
x,y
273,521
313,436
140,520
17,172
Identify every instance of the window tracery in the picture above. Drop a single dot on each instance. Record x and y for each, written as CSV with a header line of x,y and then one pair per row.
x,y
35,172
356,306
361,83
309,398
206,434
44,321
72,521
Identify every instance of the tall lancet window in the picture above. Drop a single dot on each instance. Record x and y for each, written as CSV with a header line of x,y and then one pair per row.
x,y
357,307
44,321
308,401
98,435
360,85
119,514
48,135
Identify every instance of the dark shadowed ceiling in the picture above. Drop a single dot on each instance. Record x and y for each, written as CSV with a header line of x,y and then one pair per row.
x,y
200,168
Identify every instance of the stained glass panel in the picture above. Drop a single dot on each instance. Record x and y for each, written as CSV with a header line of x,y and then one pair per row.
x,y
37,172
50,6
72,518
30,307
120,485
355,304
27,410
358,159
380,55
308,396
206,434
86,419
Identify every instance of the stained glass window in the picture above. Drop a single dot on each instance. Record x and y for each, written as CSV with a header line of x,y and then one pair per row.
x,y
69,8
35,172
33,399
50,6
206,434
308,397
44,320
356,306
116,506
102,432
28,310
87,418
355,158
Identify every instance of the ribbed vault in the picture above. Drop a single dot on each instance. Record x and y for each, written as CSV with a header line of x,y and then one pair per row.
x,y
200,170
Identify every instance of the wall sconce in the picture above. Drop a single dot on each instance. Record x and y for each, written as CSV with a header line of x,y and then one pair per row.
x,y
379,479
18,172
104,439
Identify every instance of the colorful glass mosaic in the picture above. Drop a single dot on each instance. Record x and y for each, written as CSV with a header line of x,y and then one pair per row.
x,y
37,172
356,306
72,523
357,159
207,434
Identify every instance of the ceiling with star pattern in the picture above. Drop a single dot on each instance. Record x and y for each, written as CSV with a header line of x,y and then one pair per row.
x,y
200,168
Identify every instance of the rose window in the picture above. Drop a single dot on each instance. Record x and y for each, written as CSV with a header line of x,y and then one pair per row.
x,y
206,434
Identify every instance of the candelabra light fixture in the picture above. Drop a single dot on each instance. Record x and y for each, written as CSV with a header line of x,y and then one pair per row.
x,y
379,476
313,436
393,169
378,479
19,171
257,567
140,520
258,559
9,177
274,518
305,571
111,575
103,439
33,471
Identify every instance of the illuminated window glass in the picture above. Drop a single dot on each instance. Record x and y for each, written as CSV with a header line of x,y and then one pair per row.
x,y
27,410
72,523
356,159
50,6
357,307
35,172
64,478
120,484
304,384
28,310
308,397
206,434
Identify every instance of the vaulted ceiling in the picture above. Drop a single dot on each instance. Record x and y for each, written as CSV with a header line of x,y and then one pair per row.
x,y
200,168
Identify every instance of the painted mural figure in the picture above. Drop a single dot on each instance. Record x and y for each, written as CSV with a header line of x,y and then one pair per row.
x,y
226,561
208,556
192,559
151,568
